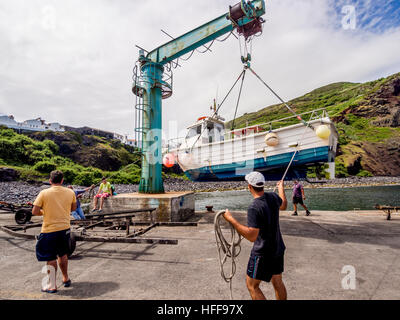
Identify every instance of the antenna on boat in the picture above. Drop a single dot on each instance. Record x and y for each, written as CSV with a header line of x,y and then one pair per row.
x,y
216,99
213,108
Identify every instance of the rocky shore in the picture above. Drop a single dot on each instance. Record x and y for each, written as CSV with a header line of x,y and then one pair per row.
x,y
21,192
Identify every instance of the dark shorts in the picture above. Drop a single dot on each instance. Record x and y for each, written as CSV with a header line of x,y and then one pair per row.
x,y
51,245
297,200
263,268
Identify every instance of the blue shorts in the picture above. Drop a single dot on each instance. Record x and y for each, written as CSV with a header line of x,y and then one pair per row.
x,y
264,267
51,245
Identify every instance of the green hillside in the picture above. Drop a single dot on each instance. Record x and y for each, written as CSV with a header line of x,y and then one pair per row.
x,y
367,116
83,159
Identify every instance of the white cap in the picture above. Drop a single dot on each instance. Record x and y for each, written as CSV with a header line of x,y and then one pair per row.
x,y
256,179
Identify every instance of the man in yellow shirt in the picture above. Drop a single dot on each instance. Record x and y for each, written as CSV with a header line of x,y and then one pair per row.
x,y
55,204
103,193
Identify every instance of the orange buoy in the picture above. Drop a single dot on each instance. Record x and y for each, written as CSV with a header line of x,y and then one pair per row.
x,y
169,160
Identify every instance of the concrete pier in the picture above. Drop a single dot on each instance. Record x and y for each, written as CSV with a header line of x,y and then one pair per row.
x,y
171,206
322,249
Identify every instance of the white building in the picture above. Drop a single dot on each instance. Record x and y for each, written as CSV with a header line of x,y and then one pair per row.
x,y
9,121
119,137
55,126
130,142
34,124
30,125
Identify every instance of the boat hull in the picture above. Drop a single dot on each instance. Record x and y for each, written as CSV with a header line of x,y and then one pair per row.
x,y
234,158
271,167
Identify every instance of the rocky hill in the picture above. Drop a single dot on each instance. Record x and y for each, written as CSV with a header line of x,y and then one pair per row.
x,y
367,116
90,150
84,159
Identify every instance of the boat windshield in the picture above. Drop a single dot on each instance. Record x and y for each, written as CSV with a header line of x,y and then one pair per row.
x,y
193,131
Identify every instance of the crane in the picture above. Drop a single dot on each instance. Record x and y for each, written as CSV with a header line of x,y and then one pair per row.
x,y
151,86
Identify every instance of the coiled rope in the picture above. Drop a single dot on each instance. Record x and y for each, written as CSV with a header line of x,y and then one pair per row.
x,y
227,250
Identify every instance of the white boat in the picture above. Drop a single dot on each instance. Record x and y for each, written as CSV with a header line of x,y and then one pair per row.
x,y
210,153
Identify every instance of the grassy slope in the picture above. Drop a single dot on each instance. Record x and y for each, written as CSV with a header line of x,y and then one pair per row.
x,y
83,159
35,158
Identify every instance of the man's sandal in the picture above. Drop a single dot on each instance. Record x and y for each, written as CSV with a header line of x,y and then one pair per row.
x,y
67,283
49,291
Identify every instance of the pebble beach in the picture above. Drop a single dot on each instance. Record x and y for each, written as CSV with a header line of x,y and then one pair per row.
x,y
21,192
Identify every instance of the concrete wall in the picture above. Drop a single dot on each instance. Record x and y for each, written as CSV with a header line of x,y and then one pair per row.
x,y
171,207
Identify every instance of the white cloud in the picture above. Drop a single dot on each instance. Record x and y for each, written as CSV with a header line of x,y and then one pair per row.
x,y
71,61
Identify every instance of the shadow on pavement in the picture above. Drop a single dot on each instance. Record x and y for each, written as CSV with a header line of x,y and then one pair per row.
x,y
122,254
356,230
378,233
85,290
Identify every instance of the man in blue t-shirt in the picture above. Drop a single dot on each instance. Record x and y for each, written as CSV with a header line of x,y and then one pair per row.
x,y
267,255
78,213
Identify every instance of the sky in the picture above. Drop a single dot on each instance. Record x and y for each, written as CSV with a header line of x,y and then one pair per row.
x,y
71,61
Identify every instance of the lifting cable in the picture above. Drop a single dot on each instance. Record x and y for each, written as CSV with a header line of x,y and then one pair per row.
x,y
238,100
220,105
307,124
280,99
242,75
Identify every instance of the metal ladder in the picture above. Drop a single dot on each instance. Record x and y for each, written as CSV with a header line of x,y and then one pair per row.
x,y
140,106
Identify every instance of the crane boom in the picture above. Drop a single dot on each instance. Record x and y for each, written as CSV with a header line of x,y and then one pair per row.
x,y
150,88
241,15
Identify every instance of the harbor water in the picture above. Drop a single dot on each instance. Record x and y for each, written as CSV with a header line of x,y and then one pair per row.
x,y
332,199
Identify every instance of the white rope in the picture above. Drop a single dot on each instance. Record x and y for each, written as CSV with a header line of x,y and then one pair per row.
x,y
227,250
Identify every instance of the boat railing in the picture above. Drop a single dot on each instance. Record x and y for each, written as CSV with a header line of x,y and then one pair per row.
x,y
174,143
275,124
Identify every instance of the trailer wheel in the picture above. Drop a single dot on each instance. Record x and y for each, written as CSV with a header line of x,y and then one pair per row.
x,y
72,244
23,216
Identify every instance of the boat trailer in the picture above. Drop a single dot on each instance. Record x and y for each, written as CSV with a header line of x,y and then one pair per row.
x,y
388,210
23,212
115,227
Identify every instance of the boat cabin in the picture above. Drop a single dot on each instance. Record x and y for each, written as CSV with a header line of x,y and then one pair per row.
x,y
206,130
